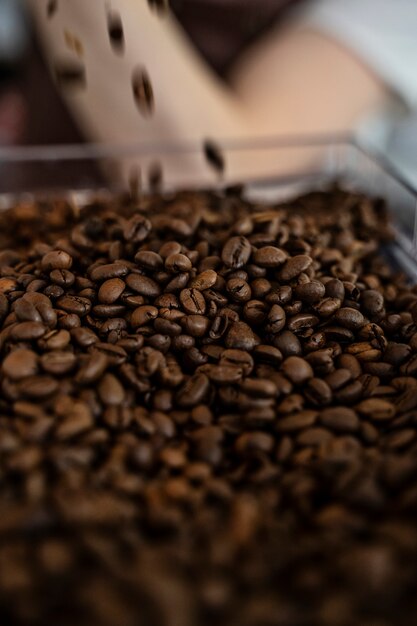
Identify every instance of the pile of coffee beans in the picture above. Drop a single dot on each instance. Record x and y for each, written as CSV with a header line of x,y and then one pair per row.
x,y
208,414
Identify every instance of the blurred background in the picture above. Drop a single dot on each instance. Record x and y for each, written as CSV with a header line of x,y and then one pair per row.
x,y
379,37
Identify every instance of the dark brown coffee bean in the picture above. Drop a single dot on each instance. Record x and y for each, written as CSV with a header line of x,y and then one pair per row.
x,y
256,441
240,337
349,318
372,302
238,358
302,321
267,354
195,325
259,387
178,263
318,392
193,301
111,290
194,391
19,364
238,290
143,285
288,343
28,331
335,289
338,378
255,312
58,362
310,292
314,437
111,391
74,304
298,421
143,315
340,419
297,370
269,256
93,368
38,387
236,252
204,280
294,266
111,270
57,259
213,154
327,307
276,319
376,409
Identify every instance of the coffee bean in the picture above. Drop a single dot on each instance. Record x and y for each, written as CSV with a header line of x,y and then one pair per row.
x,y
93,368
110,390
107,271
194,391
58,362
294,266
19,364
38,387
28,331
240,337
276,319
310,292
269,256
327,307
143,315
340,419
376,409
297,370
193,301
349,318
111,290
143,285
318,392
74,304
178,263
58,259
236,252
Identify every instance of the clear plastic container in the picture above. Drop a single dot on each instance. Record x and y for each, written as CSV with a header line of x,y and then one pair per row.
x,y
270,168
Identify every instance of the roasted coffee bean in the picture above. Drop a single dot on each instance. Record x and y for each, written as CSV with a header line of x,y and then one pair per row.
x,y
20,363
143,285
58,362
376,409
107,271
255,312
294,266
178,263
335,289
288,343
193,301
327,307
241,337
318,392
310,292
195,325
57,259
302,321
111,290
143,315
236,252
372,302
340,419
28,331
349,318
269,256
74,304
276,319
297,370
